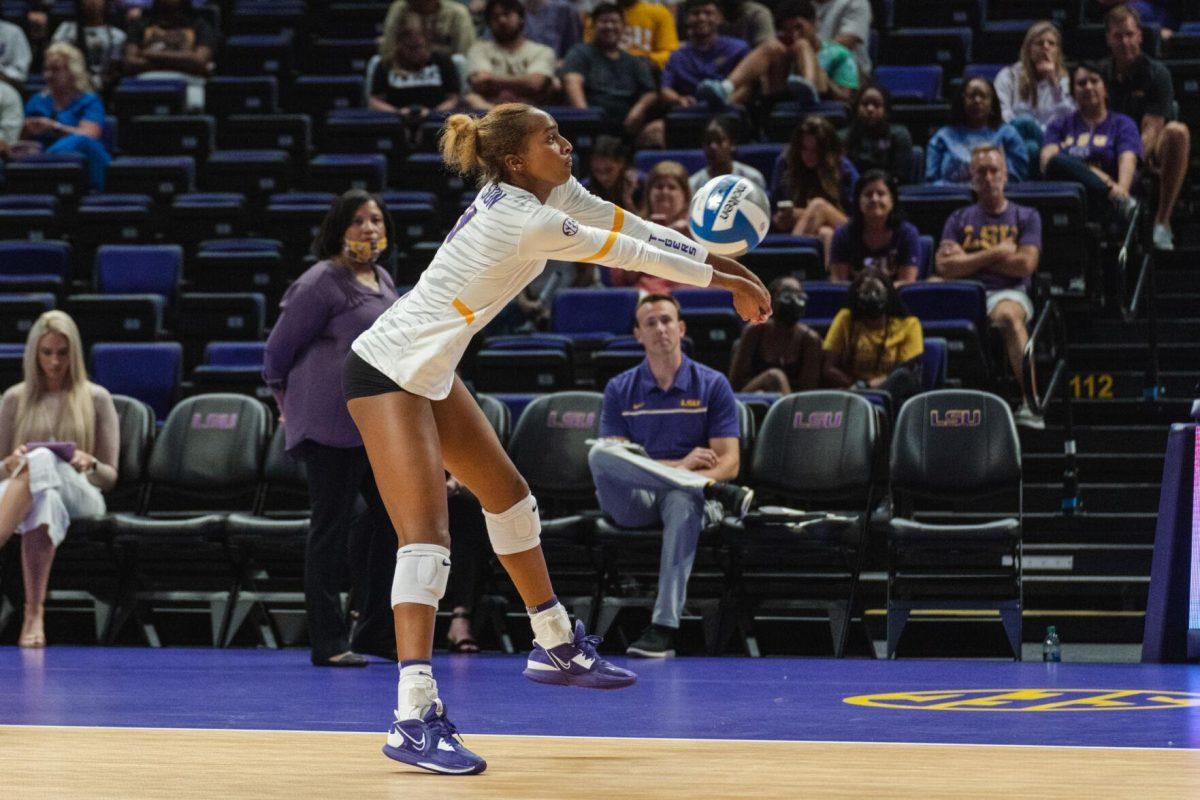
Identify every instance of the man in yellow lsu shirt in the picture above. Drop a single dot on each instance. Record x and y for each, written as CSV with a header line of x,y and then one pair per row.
x,y
649,31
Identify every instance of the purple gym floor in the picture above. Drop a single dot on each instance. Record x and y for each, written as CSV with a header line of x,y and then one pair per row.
x,y
706,698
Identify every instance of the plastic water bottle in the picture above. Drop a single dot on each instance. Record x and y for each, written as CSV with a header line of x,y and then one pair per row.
x,y
1051,648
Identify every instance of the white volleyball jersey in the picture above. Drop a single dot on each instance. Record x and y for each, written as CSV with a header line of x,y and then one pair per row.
x,y
498,246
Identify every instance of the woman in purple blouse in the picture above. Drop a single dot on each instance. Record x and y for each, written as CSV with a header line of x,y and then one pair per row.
x,y
327,307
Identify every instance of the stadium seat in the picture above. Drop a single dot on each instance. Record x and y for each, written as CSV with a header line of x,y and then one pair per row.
x,y
948,13
367,132
922,120
341,56
949,48
258,54
235,354
361,20
986,71
960,448
184,135
760,155
523,368
935,363
195,217
317,95
920,84
685,126
206,460
814,562
254,173
149,371
129,220
61,174
340,172
262,17
593,314
20,313
117,317
201,317
928,247
1185,75
234,367
956,311
692,160
135,97
1069,246
825,299
580,126
289,132
775,262
240,245
712,324
999,40
30,224
12,357
1063,13
785,117
426,172
225,95
296,225
161,177
139,269
928,207
34,266
240,271
414,221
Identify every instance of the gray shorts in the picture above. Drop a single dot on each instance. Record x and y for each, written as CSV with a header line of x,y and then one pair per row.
x,y
1019,296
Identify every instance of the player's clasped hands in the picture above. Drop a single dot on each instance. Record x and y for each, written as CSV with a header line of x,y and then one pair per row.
x,y
752,302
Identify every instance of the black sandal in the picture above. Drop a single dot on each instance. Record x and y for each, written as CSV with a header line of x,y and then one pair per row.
x,y
465,646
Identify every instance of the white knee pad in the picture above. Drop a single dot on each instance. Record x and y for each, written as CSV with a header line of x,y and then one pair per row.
x,y
516,530
421,574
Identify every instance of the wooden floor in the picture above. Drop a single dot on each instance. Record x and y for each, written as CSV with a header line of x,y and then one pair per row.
x,y
57,763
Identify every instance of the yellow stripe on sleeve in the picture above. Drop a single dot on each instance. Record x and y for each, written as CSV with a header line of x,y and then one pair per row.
x,y
618,221
461,308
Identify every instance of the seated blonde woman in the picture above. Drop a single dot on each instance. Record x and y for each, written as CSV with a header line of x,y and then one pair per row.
x,y
63,437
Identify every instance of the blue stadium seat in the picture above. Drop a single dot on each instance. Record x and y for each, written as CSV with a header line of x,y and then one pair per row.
x,y
934,363
825,299
202,317
20,313
691,298
266,17
692,160
34,266
949,13
161,177
426,172
505,365
956,311
579,125
12,357
195,217
117,317
123,220
1070,247
786,116
139,269
289,132
685,126
296,224
225,95
928,207
927,247
254,173
149,371
775,262
240,245
361,20
49,202
364,130
921,84
986,71
317,95
61,174
184,135
922,120
760,155
594,314
340,56
232,367
413,221
135,97
999,40
258,54
949,48
1063,13
30,224
235,354
338,172
244,271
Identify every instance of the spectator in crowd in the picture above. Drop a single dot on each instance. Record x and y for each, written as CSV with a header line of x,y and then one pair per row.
x,y
418,81
554,23
68,117
812,183
610,176
44,486
706,55
720,147
875,237
872,141
1095,147
649,31
15,55
1150,12
1140,88
974,119
685,419
797,58
747,20
12,117
101,43
172,41
599,73
997,243
326,308
1035,90
668,197
874,342
782,354
510,68
847,22
448,27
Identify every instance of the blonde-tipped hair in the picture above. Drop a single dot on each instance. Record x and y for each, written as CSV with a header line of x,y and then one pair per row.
x,y
1027,82
78,420
478,145
76,64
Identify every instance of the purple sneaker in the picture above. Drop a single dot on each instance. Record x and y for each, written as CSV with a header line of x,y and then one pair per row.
x,y
576,664
430,743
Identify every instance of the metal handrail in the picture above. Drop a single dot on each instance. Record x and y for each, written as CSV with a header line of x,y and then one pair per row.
x,y
1143,294
1052,323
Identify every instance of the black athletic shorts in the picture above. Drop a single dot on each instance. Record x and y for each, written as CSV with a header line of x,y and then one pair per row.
x,y
360,379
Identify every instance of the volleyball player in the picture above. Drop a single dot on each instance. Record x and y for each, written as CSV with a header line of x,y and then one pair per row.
x,y
417,418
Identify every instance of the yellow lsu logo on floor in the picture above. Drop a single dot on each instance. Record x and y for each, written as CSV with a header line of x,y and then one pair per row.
x,y
1029,700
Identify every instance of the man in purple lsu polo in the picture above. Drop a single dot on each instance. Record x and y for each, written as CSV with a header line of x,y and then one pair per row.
x,y
669,433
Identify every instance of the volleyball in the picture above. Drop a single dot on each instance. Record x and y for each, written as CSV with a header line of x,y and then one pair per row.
x,y
730,215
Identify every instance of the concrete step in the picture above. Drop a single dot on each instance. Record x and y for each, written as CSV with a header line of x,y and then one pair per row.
x,y
1097,439
1124,412
1132,356
1097,468
1103,497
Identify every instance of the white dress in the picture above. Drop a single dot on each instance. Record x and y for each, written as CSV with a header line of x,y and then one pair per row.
x,y
499,245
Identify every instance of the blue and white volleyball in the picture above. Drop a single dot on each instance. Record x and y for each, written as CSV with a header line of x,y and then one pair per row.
x,y
730,215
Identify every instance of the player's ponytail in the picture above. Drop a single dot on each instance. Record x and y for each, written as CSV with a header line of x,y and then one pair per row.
x,y
472,145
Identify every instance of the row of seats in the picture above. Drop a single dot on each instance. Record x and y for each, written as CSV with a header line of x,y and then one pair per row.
x,y
210,511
